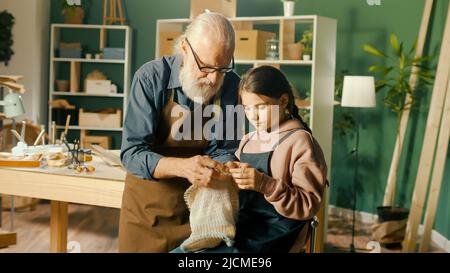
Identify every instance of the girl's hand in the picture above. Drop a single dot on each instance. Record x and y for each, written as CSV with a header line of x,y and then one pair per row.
x,y
232,164
246,177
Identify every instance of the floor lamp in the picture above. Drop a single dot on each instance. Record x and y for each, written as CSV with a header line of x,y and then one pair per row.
x,y
357,92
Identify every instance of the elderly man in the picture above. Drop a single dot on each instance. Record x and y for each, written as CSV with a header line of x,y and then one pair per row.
x,y
160,165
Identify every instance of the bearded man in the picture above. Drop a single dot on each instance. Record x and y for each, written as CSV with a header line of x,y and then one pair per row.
x,y
161,165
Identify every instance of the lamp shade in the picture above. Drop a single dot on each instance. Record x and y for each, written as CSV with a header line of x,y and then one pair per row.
x,y
358,91
13,106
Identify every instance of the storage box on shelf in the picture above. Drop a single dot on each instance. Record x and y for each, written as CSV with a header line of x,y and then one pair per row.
x,y
113,53
251,44
167,40
97,87
226,7
105,119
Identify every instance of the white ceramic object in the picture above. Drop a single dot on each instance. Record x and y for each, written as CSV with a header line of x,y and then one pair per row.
x,y
307,57
288,8
18,150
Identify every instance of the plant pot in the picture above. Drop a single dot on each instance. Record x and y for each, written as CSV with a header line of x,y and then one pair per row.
x,y
391,213
391,226
306,57
294,51
73,15
62,85
288,7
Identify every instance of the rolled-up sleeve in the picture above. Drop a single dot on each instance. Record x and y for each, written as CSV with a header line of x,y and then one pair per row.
x,y
221,151
139,128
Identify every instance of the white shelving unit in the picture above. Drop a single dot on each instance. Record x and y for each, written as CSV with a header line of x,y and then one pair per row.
x,y
322,73
55,62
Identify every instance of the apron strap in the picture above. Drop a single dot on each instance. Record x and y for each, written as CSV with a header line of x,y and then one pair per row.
x,y
217,102
246,141
286,136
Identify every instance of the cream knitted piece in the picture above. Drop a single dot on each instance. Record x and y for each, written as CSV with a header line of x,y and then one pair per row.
x,y
213,214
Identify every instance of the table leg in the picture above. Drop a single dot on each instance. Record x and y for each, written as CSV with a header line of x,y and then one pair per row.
x,y
58,227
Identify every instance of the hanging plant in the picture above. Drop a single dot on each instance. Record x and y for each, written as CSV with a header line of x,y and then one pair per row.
x,y
6,41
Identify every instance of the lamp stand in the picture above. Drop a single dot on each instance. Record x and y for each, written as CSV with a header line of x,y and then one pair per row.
x,y
355,182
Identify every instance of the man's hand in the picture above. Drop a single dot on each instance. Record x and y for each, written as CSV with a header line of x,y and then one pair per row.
x,y
246,177
200,170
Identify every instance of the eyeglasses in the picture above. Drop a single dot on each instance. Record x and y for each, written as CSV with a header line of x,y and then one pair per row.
x,y
210,69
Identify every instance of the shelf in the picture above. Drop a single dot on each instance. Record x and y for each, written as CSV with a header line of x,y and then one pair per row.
x,y
258,19
89,26
81,60
281,62
89,128
81,94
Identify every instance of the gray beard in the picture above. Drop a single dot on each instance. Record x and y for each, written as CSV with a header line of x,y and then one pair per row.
x,y
199,91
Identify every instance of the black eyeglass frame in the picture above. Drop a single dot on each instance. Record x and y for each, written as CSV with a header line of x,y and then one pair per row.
x,y
210,69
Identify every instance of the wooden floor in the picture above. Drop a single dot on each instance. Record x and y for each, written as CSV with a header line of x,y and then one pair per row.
x,y
95,229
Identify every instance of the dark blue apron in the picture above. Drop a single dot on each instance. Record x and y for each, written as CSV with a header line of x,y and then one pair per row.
x,y
260,228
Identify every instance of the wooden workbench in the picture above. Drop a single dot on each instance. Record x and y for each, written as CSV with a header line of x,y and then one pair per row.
x,y
103,188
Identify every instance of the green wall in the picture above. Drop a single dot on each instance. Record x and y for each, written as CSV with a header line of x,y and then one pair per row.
x,y
358,23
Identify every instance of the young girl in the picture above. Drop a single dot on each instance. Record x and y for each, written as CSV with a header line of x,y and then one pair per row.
x,y
282,172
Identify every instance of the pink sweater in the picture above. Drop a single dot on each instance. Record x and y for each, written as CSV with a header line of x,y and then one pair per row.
x,y
299,171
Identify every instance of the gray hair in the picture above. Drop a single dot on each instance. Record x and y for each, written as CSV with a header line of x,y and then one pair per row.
x,y
216,23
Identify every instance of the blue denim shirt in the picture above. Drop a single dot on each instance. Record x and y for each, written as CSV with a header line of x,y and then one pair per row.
x,y
147,98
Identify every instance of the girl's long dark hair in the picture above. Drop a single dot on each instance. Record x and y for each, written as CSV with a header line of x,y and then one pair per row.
x,y
271,82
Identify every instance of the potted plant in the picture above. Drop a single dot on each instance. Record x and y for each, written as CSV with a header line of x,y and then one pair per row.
x,y
395,79
73,11
307,41
6,24
288,7
294,51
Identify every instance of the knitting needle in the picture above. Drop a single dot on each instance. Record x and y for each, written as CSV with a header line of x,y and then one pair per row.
x,y
39,137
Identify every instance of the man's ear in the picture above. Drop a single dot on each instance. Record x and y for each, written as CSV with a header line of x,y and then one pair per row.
x,y
183,47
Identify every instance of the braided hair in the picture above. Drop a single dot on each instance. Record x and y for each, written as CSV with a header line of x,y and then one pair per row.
x,y
271,82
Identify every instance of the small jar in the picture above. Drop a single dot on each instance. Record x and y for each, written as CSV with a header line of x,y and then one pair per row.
x,y
272,49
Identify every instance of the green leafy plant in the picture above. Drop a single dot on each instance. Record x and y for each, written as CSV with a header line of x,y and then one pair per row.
x,y
71,9
395,77
6,41
307,41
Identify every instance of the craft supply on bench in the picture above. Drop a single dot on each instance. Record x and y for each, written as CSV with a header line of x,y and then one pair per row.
x,y
76,152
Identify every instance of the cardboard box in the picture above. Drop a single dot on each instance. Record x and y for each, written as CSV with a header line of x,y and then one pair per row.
x,y
97,87
104,119
251,44
226,7
167,40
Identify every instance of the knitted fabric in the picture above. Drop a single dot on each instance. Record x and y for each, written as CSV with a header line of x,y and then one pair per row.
x,y
213,214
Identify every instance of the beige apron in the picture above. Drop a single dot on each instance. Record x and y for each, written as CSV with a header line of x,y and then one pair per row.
x,y
154,216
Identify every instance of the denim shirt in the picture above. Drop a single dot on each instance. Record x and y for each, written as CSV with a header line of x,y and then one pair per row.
x,y
147,99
